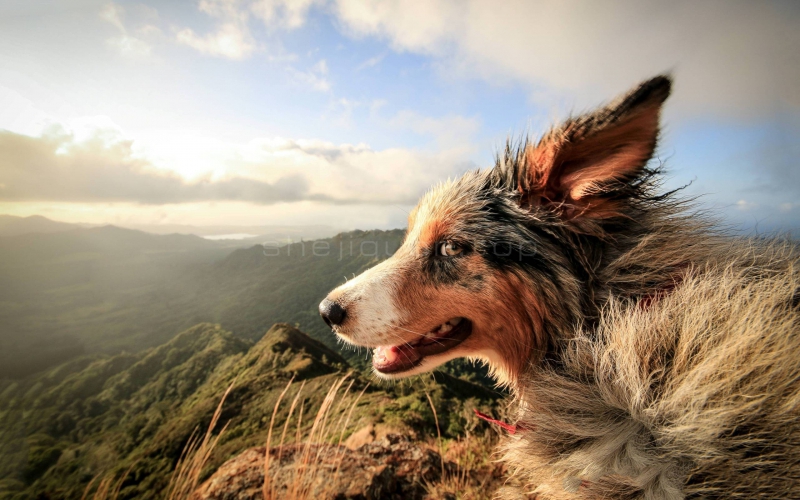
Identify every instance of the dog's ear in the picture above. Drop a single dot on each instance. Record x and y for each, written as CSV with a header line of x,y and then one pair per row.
x,y
583,167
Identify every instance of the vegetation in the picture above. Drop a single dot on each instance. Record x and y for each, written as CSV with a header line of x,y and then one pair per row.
x,y
99,396
131,415
108,290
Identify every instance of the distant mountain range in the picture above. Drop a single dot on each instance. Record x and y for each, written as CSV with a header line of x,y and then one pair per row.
x,y
70,290
282,232
11,225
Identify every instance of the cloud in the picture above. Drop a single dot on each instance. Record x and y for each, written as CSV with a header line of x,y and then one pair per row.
x,y
315,77
340,111
351,173
126,44
448,131
288,14
20,114
745,205
102,166
233,38
56,167
414,26
730,58
371,62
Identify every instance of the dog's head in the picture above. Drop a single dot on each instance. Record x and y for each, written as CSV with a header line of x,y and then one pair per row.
x,y
488,269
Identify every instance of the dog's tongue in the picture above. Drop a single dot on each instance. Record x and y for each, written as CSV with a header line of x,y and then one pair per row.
x,y
388,359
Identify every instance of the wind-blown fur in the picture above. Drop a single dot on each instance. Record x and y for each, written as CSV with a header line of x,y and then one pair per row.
x,y
694,395
649,355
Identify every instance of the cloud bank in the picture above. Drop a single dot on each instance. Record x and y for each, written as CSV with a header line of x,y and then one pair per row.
x,y
734,58
103,167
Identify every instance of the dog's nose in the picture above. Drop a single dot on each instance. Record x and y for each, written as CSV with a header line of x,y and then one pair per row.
x,y
332,313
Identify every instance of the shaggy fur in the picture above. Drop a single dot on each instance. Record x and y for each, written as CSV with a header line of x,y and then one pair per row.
x,y
648,355
696,395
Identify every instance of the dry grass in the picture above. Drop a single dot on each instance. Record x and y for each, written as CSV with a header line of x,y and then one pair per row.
x,y
438,431
303,483
469,456
477,473
186,476
320,446
107,489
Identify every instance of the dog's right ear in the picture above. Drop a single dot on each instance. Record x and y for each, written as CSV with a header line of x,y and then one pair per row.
x,y
581,168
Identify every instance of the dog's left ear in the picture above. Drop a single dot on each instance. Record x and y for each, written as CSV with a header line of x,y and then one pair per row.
x,y
583,167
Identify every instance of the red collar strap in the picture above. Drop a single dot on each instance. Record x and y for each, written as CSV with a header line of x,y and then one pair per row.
x,y
644,304
512,429
648,300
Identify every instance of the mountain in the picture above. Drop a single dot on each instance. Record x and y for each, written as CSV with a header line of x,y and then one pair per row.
x,y
259,234
108,289
136,412
255,287
86,290
12,226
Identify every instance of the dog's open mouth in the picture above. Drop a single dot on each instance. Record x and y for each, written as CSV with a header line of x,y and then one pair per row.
x,y
403,357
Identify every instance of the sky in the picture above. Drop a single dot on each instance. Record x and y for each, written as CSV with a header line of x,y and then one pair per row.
x,y
343,112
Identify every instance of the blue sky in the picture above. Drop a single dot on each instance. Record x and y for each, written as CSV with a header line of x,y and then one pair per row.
x,y
343,112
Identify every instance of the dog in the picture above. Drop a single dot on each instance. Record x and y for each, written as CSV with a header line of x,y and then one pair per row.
x,y
648,354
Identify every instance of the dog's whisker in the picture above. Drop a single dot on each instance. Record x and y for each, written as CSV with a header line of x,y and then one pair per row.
x,y
424,335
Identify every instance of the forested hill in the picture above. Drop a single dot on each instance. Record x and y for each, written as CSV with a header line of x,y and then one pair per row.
x,y
109,290
255,287
108,414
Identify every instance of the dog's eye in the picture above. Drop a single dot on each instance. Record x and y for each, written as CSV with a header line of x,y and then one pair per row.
x,y
448,249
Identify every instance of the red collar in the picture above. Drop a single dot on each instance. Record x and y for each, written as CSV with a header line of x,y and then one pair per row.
x,y
648,300
644,304
512,429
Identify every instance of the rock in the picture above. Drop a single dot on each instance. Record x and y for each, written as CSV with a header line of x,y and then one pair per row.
x,y
359,438
389,468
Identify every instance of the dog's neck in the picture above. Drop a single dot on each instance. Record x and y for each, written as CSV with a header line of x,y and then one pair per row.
x,y
642,263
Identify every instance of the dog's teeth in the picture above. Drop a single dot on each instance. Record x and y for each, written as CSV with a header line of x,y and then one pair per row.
x,y
455,321
445,327
385,354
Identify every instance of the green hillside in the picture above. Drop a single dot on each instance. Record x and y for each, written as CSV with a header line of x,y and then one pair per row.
x,y
255,287
90,290
109,290
100,414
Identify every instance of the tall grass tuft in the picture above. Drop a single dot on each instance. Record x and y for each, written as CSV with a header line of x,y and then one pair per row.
x,y
107,489
469,455
438,431
323,440
186,476
312,449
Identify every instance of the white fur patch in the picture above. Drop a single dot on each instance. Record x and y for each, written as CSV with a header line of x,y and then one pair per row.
x,y
371,308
